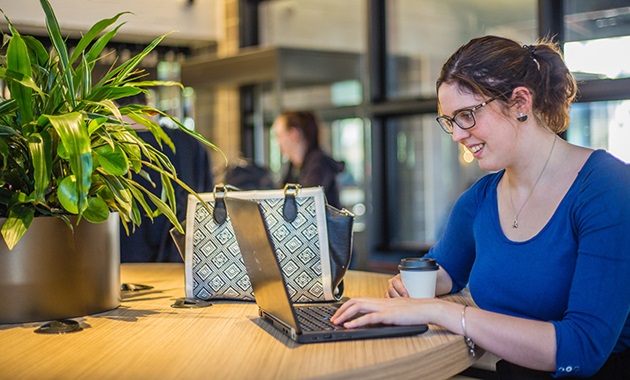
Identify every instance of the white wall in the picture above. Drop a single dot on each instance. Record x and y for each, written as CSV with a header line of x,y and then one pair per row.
x,y
199,22
315,24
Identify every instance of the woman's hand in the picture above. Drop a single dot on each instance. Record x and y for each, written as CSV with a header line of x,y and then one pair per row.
x,y
395,287
392,311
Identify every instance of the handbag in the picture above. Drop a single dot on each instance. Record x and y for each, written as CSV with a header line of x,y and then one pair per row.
x,y
312,240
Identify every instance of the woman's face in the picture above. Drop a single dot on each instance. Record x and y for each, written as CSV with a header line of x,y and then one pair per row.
x,y
492,140
287,138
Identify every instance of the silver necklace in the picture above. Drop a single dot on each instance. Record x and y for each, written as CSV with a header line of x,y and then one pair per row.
x,y
517,213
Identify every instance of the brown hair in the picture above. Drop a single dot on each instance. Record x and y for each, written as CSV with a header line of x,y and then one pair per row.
x,y
494,66
307,123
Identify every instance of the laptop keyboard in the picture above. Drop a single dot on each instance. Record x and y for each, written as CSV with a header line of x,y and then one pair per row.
x,y
316,318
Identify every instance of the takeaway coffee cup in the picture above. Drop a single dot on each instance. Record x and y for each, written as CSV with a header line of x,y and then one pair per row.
x,y
419,276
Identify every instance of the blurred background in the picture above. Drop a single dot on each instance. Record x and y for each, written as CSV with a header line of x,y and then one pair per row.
x,y
368,68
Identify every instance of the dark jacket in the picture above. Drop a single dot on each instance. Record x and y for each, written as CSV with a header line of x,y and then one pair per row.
x,y
318,169
151,241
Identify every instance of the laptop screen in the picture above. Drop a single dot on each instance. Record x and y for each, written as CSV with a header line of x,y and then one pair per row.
x,y
260,260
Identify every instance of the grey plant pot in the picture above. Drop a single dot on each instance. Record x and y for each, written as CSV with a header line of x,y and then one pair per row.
x,y
53,273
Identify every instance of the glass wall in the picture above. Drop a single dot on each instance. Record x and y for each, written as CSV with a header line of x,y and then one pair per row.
x,y
421,35
426,171
597,37
411,172
323,43
602,125
596,50
429,172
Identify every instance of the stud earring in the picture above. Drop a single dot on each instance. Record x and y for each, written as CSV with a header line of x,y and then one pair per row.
x,y
521,117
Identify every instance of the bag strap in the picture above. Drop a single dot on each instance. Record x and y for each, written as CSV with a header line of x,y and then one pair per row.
x,y
220,211
289,208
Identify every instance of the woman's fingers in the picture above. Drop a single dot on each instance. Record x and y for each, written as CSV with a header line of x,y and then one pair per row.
x,y
395,287
395,311
345,311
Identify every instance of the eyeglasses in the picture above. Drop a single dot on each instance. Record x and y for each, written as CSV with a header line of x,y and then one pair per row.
x,y
465,118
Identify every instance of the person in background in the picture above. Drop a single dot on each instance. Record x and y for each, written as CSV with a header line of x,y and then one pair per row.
x,y
297,134
543,242
151,241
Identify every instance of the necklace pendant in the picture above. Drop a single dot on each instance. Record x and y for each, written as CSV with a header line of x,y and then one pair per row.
x,y
515,223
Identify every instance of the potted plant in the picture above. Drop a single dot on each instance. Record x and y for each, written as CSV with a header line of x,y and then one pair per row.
x,y
67,155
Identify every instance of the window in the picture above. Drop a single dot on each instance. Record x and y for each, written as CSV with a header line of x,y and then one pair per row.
x,y
425,171
421,35
602,125
597,41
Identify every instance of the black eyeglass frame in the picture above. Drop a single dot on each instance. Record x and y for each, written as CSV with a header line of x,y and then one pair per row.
x,y
451,120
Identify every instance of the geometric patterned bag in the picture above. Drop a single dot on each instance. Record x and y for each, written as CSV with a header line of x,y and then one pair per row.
x,y
313,261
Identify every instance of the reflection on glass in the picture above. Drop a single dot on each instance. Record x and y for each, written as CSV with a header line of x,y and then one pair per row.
x,y
346,93
431,171
423,34
597,39
347,146
602,125
348,136
599,59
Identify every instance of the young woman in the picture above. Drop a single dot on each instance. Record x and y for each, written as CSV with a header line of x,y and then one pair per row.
x,y
543,242
297,134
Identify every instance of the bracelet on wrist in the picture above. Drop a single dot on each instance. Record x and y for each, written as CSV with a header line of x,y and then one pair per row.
x,y
469,342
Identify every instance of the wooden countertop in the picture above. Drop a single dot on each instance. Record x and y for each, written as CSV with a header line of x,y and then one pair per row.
x,y
147,338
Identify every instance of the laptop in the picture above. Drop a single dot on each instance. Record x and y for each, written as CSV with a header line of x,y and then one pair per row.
x,y
303,323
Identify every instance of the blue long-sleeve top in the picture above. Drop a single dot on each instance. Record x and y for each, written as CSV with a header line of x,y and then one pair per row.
x,y
575,273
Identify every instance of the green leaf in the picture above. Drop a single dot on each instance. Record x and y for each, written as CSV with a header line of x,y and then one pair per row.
x,y
40,147
7,107
68,194
8,131
62,152
84,77
111,92
120,74
18,60
121,194
54,33
163,208
156,83
25,80
96,124
108,104
113,161
194,134
76,158
97,210
94,31
73,133
137,194
18,221
39,53
154,128
4,152
95,51
168,191
180,183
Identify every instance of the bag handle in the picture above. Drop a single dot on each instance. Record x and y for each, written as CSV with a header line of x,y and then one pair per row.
x,y
219,214
289,208
220,211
